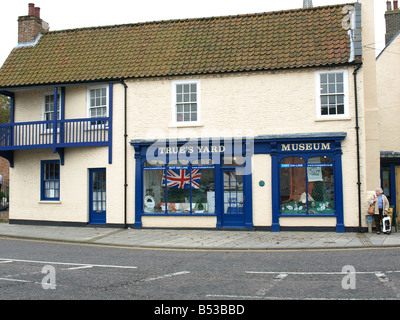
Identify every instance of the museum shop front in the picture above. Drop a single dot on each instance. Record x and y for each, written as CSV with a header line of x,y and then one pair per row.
x,y
241,183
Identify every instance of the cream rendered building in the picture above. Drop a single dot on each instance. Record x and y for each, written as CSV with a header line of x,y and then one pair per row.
x,y
388,69
253,121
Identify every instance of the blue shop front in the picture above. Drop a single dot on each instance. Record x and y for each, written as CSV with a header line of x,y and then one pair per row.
x,y
214,178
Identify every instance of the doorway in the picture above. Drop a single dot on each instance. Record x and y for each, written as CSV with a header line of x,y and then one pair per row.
x,y
97,196
233,214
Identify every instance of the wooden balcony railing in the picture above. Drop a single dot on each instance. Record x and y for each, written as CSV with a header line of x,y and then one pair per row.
x,y
69,133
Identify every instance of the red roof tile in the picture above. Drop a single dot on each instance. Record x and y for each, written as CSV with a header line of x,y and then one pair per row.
x,y
266,41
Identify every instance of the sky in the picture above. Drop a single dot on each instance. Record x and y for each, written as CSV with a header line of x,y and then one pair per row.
x,y
71,14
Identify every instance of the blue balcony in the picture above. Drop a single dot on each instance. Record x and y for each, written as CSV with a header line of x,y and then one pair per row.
x,y
87,132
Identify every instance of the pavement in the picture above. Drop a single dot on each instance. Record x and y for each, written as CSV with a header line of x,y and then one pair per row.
x,y
189,239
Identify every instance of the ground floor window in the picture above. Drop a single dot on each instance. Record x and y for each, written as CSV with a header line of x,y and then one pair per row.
x,y
178,187
50,180
307,185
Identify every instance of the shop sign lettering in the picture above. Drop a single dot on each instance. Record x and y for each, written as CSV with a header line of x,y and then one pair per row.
x,y
319,146
191,149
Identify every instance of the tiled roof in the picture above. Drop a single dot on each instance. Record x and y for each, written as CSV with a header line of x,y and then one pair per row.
x,y
266,41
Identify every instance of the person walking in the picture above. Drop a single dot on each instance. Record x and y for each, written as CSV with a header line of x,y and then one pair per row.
x,y
381,203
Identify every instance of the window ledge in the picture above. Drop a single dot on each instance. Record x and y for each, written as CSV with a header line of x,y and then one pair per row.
x,y
49,202
333,119
310,215
185,124
177,214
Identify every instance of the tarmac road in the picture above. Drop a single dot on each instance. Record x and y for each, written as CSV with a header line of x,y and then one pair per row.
x,y
29,269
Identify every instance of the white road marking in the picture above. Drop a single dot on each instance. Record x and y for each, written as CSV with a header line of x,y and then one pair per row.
x,y
81,267
14,280
167,275
313,272
261,294
281,276
70,264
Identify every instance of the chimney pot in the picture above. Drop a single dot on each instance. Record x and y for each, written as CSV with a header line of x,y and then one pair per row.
x,y
395,5
37,12
31,10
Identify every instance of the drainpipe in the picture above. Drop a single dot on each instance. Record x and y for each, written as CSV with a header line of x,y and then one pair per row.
x,y
358,146
125,152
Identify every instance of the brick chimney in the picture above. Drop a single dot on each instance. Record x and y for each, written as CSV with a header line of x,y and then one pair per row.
x,y
392,17
31,25
307,4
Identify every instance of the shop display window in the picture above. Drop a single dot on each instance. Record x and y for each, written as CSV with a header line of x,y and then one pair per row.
x,y
179,187
307,185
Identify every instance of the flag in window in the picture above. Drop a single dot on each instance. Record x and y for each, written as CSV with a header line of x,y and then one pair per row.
x,y
180,178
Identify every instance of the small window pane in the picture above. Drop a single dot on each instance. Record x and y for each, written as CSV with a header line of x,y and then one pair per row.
x,y
186,102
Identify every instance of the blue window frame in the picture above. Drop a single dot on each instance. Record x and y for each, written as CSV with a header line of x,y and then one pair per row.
x,y
307,185
179,189
193,185
307,176
50,180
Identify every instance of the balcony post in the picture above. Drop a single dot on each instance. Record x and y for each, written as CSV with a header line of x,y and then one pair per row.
x,y
62,114
55,119
110,121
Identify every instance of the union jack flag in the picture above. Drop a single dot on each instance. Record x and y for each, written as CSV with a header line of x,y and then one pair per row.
x,y
180,178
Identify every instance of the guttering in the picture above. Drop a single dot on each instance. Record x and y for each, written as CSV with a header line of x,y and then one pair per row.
x,y
125,151
358,145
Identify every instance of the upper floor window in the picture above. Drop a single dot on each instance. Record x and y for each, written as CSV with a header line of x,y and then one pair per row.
x,y
98,103
186,102
332,94
48,109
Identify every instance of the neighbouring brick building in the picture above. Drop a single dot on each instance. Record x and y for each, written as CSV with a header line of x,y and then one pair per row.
x,y
392,17
260,121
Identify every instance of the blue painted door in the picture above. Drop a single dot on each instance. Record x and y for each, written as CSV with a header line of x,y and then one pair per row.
x,y
97,196
233,215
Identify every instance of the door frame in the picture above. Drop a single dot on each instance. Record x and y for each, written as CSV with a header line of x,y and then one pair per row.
x,y
96,217
239,221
